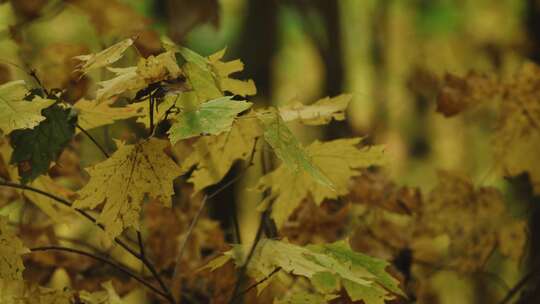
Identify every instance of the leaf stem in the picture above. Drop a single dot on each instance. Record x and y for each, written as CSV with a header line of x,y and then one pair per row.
x,y
100,147
105,261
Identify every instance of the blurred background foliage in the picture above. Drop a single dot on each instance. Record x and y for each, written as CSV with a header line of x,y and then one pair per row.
x,y
392,55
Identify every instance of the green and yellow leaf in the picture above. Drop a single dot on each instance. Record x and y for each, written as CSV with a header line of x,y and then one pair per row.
x,y
327,266
212,117
340,160
287,147
35,149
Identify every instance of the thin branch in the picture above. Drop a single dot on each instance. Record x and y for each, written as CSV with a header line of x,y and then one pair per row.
x,y
105,261
243,269
141,244
522,283
68,204
62,201
151,101
276,270
100,147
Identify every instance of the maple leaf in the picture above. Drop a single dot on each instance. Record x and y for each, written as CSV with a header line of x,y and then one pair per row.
x,y
126,79
458,94
518,128
123,180
35,149
106,296
304,297
92,114
340,160
169,102
11,249
148,70
327,266
319,113
17,113
224,69
19,292
287,147
105,57
212,117
213,156
200,76
472,219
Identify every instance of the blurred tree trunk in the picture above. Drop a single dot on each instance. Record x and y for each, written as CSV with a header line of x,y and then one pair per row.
x,y
531,293
330,48
258,43
379,31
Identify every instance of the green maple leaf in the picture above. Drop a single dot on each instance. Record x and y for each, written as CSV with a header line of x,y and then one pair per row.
x,y
200,76
287,147
212,117
34,150
328,266
17,113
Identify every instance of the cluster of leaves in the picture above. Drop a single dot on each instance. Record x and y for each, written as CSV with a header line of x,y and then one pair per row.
x,y
191,105
517,130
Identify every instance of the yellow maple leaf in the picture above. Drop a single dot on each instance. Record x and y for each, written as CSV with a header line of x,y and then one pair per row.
x,y
126,79
92,114
123,180
105,57
340,160
22,292
319,113
16,113
213,156
148,70
223,69
518,130
11,249
475,220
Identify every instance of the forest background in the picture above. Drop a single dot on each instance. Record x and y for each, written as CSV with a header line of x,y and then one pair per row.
x,y
449,88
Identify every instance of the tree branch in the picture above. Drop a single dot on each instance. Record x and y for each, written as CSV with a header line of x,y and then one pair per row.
x,y
105,261
522,283
100,147
122,244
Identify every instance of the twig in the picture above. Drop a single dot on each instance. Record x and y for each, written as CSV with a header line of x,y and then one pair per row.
x,y
105,261
62,201
276,270
176,274
243,269
141,244
151,101
100,147
522,283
